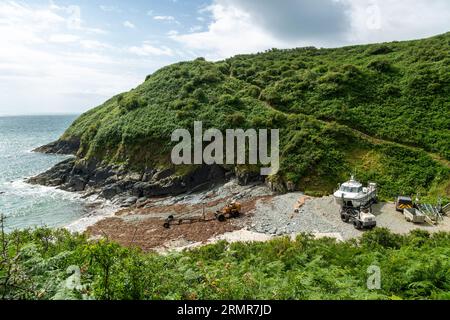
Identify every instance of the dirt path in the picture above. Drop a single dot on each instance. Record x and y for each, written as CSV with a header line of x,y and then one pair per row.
x,y
434,156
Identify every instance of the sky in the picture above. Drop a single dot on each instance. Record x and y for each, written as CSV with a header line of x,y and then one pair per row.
x,y
68,56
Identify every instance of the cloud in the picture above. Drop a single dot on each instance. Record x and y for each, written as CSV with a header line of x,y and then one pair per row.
x,y
110,9
67,64
164,18
246,26
64,38
95,45
387,20
195,28
48,58
146,49
128,24
72,17
172,33
231,31
294,20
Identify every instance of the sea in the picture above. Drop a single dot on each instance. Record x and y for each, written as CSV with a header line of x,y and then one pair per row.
x,y
29,206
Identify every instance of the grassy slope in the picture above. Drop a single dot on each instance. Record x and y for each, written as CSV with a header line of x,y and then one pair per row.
x,y
382,111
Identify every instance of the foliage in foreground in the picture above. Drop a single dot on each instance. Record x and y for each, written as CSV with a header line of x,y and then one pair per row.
x,y
46,264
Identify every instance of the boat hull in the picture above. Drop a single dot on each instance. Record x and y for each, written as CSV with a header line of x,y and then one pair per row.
x,y
354,200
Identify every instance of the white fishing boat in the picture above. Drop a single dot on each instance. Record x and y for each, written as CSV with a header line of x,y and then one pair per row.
x,y
353,194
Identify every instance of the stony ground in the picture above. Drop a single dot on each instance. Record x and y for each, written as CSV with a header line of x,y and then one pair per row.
x,y
318,216
265,215
321,216
142,224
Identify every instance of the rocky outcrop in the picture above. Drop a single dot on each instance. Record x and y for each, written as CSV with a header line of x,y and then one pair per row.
x,y
60,147
248,177
118,183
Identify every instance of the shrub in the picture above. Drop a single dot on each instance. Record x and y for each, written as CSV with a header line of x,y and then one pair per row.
x,y
380,65
379,49
130,102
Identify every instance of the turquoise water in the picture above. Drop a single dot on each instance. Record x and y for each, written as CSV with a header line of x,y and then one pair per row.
x,y
25,205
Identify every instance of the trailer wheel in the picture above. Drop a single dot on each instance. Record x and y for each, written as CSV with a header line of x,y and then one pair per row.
x,y
233,214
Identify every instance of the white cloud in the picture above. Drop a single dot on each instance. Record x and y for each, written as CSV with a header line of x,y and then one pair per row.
x,y
48,64
245,26
195,28
128,24
65,64
387,20
110,9
64,38
146,49
232,31
167,19
172,33
95,45
164,18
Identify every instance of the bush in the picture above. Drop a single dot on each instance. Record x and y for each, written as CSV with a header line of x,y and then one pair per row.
x,y
306,268
379,49
130,102
380,65
381,237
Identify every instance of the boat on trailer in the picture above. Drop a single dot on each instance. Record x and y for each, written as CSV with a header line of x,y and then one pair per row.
x,y
353,194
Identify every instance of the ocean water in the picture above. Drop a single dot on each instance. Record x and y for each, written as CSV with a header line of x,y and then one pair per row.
x,y
26,205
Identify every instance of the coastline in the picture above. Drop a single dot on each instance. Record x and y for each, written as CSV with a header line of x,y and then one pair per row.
x,y
130,207
97,209
138,221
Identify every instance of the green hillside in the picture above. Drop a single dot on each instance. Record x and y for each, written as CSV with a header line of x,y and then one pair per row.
x,y
382,111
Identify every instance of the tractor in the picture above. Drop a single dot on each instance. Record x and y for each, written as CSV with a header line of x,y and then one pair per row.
x,y
231,210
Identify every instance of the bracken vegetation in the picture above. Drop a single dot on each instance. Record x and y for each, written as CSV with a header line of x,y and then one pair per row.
x,y
381,111
45,264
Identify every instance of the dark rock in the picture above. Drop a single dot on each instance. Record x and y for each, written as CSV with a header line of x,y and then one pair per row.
x,y
102,175
60,147
228,175
55,182
76,183
133,177
60,173
130,201
138,188
111,180
115,182
163,174
84,168
148,175
110,191
247,177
